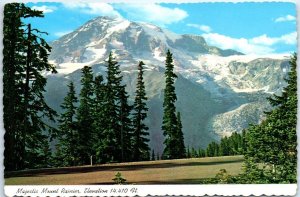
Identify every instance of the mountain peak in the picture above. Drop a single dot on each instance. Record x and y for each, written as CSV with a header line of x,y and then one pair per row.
x,y
130,41
106,19
109,18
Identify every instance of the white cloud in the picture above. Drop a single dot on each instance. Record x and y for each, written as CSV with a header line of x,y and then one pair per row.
x,y
264,40
240,44
290,38
203,28
258,45
285,18
45,9
153,13
93,8
61,33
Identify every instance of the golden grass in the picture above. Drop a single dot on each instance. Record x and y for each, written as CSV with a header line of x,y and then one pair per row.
x,y
179,171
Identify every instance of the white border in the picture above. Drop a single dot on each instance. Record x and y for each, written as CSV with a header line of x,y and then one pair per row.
x,y
161,190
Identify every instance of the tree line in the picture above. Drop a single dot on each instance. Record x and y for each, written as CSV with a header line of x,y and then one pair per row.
x,y
232,145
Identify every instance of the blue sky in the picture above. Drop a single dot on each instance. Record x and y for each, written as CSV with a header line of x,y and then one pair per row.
x,y
252,28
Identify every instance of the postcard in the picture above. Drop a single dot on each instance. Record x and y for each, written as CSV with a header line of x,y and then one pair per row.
x,y
137,98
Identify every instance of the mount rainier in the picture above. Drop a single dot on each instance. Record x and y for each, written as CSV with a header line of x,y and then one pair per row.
x,y
219,91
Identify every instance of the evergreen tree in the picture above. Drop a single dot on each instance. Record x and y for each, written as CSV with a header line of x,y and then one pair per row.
x,y
224,147
85,117
273,142
157,156
112,123
12,60
34,103
208,151
216,150
68,134
126,128
201,153
25,58
243,142
212,149
112,145
188,153
193,153
99,117
140,142
169,125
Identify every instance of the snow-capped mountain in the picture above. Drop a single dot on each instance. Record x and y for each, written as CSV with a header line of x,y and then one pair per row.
x,y
218,90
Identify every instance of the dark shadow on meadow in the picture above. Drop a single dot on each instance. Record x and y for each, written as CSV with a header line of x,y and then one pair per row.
x,y
112,167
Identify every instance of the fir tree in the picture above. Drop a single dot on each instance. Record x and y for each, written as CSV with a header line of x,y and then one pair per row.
x,y
112,133
243,141
126,127
99,117
34,103
13,36
25,58
212,149
140,142
68,134
224,147
193,153
188,153
201,153
85,117
169,125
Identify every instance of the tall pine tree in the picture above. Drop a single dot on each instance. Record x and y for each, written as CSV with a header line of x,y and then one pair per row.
x,y
126,127
112,142
85,117
140,141
68,133
25,58
169,126
99,117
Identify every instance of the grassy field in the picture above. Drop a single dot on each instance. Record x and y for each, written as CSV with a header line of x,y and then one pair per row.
x,y
180,171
